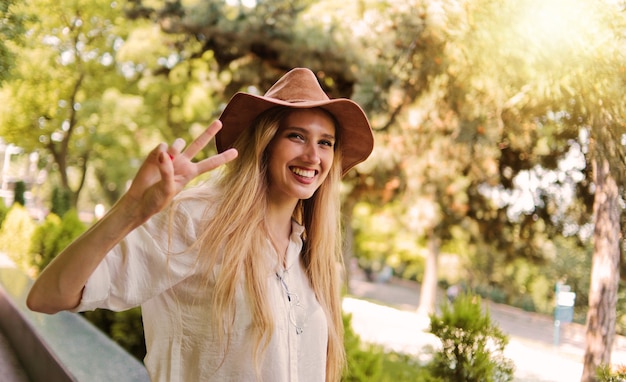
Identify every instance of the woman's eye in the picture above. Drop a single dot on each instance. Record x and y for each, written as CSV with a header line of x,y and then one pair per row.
x,y
326,143
296,136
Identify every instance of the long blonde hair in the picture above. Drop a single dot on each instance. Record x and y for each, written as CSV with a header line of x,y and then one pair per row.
x,y
236,230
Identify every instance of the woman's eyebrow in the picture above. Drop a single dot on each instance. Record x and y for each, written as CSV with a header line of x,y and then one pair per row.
x,y
329,136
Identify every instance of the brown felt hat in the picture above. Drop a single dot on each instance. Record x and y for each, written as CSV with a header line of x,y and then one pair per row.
x,y
299,89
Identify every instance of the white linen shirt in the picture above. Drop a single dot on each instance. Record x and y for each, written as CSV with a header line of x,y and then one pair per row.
x,y
177,319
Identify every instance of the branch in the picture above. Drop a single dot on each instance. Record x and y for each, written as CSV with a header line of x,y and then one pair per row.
x,y
83,168
72,117
516,98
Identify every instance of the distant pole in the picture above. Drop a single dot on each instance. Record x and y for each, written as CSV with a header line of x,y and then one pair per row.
x,y
557,332
564,308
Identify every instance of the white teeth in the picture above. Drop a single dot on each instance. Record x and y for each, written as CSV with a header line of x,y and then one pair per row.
x,y
303,173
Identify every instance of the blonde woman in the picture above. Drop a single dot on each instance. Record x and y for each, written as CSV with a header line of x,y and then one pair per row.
x,y
237,278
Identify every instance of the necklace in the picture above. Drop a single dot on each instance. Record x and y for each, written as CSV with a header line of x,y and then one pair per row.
x,y
297,313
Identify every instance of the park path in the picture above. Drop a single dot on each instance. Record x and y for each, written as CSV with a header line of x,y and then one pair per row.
x,y
385,313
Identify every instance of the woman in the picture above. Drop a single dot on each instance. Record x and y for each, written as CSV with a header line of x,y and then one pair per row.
x,y
237,278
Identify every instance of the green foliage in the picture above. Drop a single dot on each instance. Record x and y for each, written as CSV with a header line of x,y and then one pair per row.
x,y
367,362
71,228
572,266
15,236
42,241
530,286
402,368
61,201
472,346
381,239
11,31
125,328
364,361
33,246
525,302
76,42
620,324
52,236
491,292
20,189
604,373
4,210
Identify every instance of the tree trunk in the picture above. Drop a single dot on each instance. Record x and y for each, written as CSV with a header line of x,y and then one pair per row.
x,y
604,273
428,290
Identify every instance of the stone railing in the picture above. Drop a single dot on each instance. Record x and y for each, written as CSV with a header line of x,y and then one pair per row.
x,y
59,347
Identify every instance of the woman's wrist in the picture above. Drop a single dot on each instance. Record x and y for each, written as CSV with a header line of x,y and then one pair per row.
x,y
129,212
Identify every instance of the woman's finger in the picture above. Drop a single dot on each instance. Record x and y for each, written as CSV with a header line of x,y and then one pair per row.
x,y
178,145
203,139
216,161
166,170
155,157
156,152
148,173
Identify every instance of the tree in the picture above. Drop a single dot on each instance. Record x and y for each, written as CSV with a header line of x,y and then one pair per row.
x,y
571,82
54,102
605,272
608,158
257,44
11,32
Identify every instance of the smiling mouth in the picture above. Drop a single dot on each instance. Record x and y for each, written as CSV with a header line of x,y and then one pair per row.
x,y
303,173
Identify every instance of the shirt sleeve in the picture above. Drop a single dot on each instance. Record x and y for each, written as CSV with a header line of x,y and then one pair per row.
x,y
149,260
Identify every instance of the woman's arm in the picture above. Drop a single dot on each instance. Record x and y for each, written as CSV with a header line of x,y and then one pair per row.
x,y
165,172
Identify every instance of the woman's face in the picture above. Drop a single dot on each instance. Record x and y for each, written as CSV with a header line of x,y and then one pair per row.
x,y
301,154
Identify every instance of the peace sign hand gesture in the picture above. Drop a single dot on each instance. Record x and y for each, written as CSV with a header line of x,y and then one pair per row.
x,y
167,170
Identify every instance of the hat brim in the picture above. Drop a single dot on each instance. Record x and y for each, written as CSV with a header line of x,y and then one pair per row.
x,y
357,140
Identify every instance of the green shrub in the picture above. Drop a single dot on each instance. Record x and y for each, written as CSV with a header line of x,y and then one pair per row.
x,y
15,236
403,368
71,227
125,328
51,237
368,362
524,302
472,346
42,242
497,295
605,374
18,192
48,240
493,293
4,210
61,201
412,270
365,362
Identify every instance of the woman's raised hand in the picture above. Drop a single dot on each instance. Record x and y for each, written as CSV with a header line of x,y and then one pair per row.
x,y
164,173
167,170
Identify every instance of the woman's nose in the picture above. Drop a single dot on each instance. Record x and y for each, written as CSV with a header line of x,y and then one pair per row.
x,y
312,153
